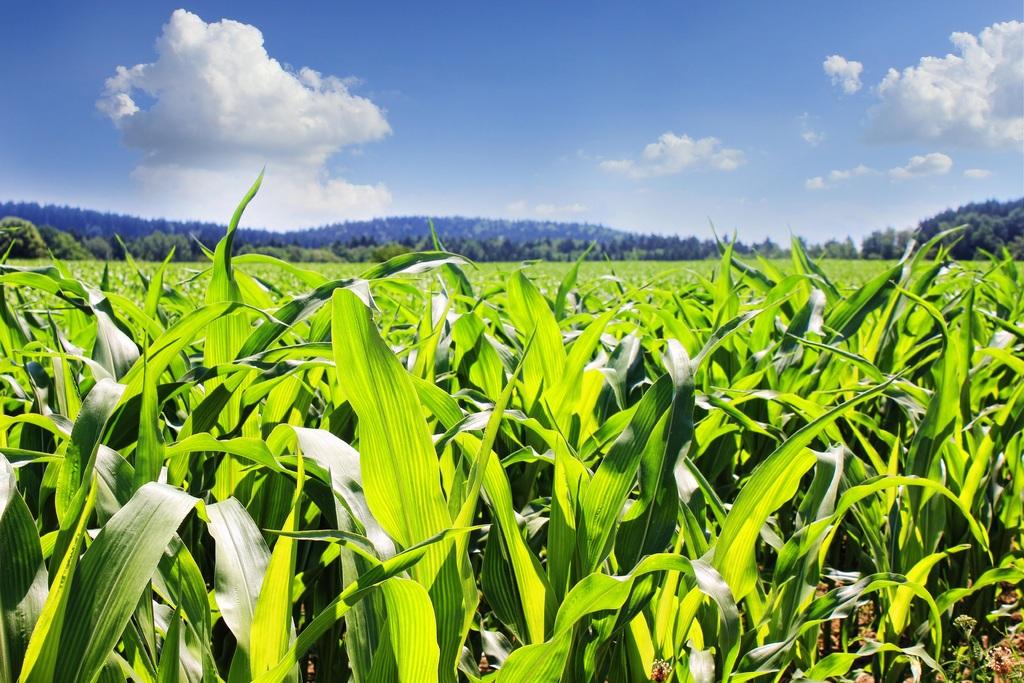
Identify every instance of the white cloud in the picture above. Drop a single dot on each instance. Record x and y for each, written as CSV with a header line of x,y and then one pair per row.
x,y
920,166
117,105
854,172
215,108
843,72
972,99
673,153
810,136
523,208
560,210
977,173
838,176
916,167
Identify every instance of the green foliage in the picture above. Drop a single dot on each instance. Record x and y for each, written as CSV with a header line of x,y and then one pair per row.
x,y
62,245
99,248
990,227
20,239
248,469
388,251
886,244
834,249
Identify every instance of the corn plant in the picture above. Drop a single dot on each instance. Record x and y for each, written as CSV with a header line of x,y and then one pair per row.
x,y
425,473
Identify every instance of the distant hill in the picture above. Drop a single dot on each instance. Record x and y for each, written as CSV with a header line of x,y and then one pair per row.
x,y
991,226
88,223
73,233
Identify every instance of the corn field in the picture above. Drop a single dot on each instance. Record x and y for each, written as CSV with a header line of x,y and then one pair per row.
x,y
419,475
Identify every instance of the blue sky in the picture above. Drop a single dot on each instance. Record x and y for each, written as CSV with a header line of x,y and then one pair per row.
x,y
764,118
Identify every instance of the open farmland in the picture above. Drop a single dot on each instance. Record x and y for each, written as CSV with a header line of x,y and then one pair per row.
x,y
191,278
420,471
124,278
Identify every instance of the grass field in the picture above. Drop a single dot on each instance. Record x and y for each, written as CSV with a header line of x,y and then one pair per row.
x,y
845,273
129,279
124,277
422,471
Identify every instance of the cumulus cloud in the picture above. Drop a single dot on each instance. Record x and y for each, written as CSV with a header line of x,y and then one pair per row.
x,y
810,136
560,209
672,153
214,108
838,176
921,166
524,208
854,172
977,173
974,98
843,72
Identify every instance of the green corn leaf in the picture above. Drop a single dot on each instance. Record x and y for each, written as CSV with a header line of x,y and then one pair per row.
x,y
411,630
242,559
76,472
112,575
603,502
351,595
272,628
403,493
22,575
772,484
600,592
44,645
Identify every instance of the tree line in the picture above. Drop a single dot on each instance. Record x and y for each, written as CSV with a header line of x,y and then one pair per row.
x,y
24,240
991,227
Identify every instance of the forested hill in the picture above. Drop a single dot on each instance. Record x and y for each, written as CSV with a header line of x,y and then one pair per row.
x,y
88,223
71,233
992,225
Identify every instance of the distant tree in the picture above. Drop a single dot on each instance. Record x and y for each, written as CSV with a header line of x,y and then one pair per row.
x,y
991,227
22,238
63,245
838,250
292,253
885,244
768,248
156,247
389,250
99,247
1016,247
988,227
